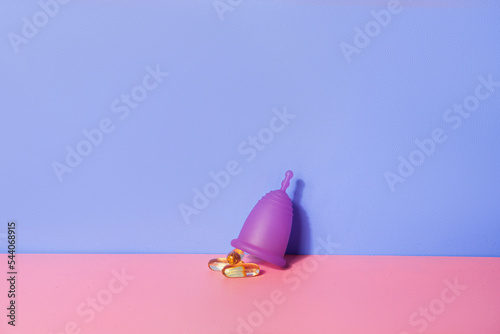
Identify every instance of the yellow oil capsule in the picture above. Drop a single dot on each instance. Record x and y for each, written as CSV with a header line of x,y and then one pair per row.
x,y
217,264
235,256
241,270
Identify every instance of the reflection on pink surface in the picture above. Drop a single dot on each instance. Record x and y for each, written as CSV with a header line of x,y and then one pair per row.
x,y
315,294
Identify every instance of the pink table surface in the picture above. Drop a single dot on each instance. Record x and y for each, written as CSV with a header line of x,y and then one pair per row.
x,y
76,293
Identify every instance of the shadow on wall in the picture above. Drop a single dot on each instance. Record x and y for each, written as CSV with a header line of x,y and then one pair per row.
x,y
300,236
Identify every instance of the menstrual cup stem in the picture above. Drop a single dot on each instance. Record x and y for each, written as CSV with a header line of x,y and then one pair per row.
x,y
286,181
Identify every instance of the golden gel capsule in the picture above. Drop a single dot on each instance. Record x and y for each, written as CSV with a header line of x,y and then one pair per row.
x,y
235,256
241,270
217,264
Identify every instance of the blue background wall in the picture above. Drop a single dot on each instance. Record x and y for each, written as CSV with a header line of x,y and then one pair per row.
x,y
229,73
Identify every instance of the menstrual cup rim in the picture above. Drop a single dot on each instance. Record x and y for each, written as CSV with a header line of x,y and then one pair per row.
x,y
258,252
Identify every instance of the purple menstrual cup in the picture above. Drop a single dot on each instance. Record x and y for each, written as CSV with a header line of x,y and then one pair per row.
x,y
267,229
